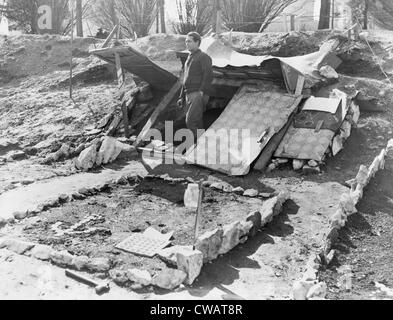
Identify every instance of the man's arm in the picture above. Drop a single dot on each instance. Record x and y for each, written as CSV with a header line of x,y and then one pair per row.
x,y
207,70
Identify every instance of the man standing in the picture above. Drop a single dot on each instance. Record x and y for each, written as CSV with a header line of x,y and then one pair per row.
x,y
198,77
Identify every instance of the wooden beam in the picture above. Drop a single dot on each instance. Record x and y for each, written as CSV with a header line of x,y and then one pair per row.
x,y
119,71
300,85
271,147
161,107
110,37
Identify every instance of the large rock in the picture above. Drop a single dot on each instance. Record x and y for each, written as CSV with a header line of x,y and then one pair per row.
x,y
328,72
168,255
223,186
209,244
230,237
347,204
110,150
87,158
245,229
169,279
339,219
191,262
256,219
251,193
362,176
41,252
141,277
80,262
62,258
99,265
119,277
298,164
16,246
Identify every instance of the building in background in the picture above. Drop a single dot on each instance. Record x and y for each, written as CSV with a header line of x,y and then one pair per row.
x,y
303,15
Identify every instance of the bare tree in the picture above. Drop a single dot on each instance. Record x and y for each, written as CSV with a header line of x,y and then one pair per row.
x,y
104,14
252,15
194,15
382,12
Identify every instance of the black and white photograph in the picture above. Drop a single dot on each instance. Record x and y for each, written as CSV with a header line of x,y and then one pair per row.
x,y
214,152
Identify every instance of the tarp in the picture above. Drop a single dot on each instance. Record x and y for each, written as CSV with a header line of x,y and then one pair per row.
x,y
243,130
307,65
140,65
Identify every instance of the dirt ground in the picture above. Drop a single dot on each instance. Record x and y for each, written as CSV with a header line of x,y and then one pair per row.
x,y
37,117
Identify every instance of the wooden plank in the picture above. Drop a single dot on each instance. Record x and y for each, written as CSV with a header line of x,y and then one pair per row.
x,y
160,108
124,110
300,85
268,152
110,37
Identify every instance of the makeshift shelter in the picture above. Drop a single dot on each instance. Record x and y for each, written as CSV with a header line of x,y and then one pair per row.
x,y
265,94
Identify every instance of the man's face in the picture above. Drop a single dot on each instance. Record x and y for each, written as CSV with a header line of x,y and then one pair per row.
x,y
191,44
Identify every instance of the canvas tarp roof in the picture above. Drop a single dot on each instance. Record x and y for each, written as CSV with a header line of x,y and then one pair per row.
x,y
307,65
137,63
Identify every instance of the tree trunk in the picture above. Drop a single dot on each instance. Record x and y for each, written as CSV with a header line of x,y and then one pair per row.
x,y
365,14
324,16
162,16
79,21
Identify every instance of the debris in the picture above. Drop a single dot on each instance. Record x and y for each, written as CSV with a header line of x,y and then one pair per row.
x,y
99,288
169,279
328,72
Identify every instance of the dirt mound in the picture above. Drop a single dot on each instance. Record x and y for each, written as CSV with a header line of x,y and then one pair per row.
x,y
28,55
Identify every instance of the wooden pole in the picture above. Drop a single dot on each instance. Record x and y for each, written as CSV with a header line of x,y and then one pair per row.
x,y
79,19
72,46
198,213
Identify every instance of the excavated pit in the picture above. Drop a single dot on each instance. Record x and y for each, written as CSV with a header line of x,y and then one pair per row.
x,y
122,210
